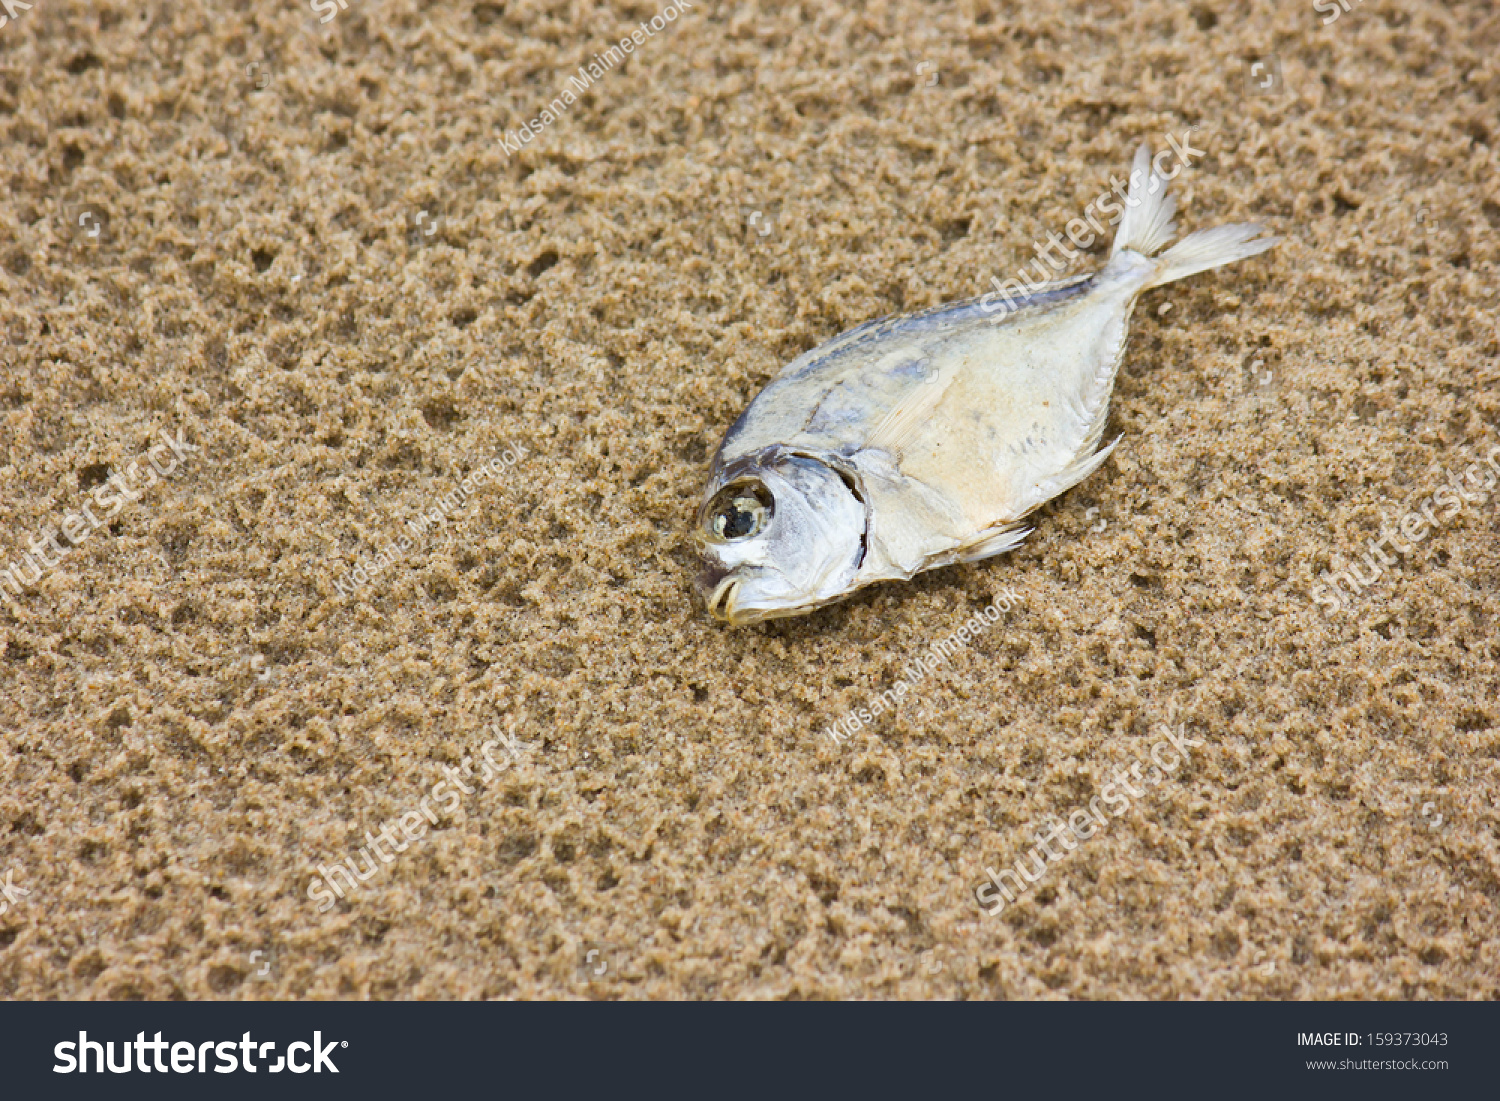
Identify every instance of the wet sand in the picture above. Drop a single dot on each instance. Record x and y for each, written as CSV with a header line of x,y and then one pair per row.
x,y
319,262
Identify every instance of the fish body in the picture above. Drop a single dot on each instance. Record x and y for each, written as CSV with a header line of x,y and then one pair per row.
x,y
918,441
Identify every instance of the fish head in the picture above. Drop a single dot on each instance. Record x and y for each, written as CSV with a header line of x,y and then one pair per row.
x,y
779,533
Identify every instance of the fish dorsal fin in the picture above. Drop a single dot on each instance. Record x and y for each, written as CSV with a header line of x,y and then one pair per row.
x,y
909,416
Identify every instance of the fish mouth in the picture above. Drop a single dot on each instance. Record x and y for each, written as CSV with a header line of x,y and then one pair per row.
x,y
711,578
723,605
719,586
721,600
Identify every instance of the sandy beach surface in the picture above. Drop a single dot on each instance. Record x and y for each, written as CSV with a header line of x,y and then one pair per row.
x,y
322,250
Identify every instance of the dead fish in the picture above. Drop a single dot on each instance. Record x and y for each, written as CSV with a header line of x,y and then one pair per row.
x,y
914,442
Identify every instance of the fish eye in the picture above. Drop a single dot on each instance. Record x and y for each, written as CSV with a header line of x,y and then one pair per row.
x,y
740,511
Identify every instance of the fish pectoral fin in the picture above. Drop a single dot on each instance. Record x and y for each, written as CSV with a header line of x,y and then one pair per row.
x,y
992,541
909,416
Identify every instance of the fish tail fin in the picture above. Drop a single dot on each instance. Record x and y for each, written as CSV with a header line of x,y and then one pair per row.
x,y
1147,227
1147,224
1211,248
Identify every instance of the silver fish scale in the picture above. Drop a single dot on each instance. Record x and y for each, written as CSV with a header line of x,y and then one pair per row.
x,y
982,458
839,351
